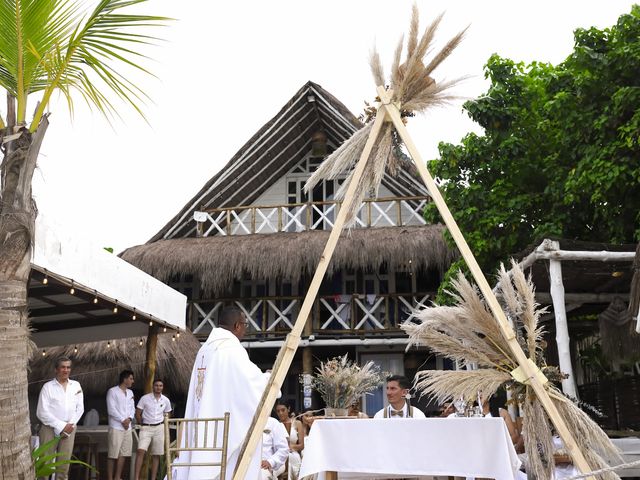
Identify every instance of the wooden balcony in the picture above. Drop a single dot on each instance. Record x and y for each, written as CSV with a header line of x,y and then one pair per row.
x,y
298,217
273,317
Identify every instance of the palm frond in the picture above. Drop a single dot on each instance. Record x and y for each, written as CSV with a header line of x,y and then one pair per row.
x,y
27,29
89,53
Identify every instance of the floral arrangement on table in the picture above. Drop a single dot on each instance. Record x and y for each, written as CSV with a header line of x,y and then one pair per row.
x,y
340,382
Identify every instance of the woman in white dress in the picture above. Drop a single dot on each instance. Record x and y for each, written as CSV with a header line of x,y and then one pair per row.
x,y
296,438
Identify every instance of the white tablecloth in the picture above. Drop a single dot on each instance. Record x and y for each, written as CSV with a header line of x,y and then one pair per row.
x,y
479,447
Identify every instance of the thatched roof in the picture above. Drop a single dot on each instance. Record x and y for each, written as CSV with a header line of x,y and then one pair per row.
x,y
97,366
219,260
274,150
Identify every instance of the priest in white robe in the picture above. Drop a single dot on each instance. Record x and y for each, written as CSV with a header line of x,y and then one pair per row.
x,y
223,380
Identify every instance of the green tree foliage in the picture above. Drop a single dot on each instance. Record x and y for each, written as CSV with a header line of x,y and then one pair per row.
x,y
560,154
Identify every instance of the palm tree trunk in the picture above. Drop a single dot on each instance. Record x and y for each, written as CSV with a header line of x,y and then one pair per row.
x,y
17,220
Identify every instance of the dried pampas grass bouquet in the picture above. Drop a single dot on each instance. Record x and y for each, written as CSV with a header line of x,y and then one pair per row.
x,y
468,334
414,91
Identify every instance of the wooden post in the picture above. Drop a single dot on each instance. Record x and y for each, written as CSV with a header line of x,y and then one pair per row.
x,y
562,329
307,353
151,358
290,345
507,331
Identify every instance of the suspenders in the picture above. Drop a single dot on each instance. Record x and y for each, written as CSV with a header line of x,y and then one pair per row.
x,y
409,412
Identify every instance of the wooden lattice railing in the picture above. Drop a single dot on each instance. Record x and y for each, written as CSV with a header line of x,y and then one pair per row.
x,y
274,316
298,217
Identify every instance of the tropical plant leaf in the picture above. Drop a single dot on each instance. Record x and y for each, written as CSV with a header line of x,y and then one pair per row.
x,y
55,45
46,463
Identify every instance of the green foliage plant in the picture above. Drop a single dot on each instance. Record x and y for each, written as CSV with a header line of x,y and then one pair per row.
x,y
560,152
46,463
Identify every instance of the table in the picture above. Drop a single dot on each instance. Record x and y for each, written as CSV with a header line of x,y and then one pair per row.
x,y
96,437
385,448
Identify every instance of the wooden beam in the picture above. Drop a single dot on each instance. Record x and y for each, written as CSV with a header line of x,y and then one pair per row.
x,y
288,349
602,256
507,331
61,308
562,329
582,298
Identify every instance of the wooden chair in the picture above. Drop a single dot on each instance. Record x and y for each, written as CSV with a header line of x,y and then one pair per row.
x,y
207,426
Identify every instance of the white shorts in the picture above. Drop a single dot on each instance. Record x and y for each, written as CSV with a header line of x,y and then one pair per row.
x,y
154,436
120,443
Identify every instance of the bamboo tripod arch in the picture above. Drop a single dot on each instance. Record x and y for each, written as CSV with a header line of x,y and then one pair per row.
x,y
388,112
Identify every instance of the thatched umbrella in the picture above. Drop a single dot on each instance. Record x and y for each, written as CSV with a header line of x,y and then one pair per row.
x,y
96,365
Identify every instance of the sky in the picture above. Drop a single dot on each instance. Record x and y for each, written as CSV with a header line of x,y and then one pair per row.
x,y
225,68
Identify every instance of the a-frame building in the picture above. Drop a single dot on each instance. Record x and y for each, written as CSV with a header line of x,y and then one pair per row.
x,y
252,237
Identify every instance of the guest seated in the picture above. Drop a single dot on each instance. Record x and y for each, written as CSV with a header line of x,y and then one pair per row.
x,y
275,450
295,430
447,410
514,432
307,420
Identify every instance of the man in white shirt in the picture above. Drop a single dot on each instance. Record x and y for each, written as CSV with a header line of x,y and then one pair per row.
x,y
60,406
150,416
121,410
398,388
275,450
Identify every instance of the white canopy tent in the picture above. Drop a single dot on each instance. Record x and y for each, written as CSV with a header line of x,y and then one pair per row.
x,y
79,292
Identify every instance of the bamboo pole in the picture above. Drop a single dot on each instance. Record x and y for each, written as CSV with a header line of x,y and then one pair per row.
x,y
507,331
289,347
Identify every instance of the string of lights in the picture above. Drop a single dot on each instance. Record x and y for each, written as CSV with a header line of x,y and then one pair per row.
x,y
116,306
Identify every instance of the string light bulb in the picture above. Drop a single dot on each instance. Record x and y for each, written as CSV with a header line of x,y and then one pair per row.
x,y
43,352
164,330
115,307
141,342
133,317
173,338
95,297
150,323
108,344
75,349
177,334
45,280
72,290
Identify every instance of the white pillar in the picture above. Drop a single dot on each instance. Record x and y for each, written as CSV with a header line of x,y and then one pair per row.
x,y
562,329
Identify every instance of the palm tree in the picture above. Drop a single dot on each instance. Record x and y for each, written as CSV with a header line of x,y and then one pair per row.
x,y
48,46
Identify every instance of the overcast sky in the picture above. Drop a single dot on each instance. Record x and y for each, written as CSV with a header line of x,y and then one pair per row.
x,y
228,67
